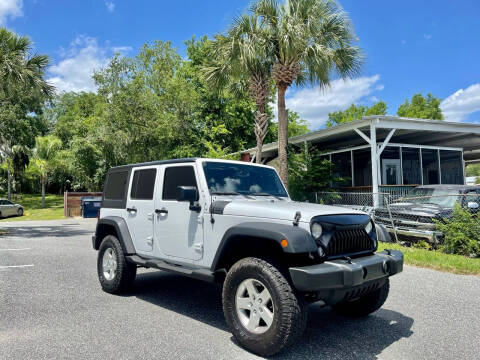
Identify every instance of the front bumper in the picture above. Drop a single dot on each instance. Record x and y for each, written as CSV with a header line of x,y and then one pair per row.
x,y
332,279
430,235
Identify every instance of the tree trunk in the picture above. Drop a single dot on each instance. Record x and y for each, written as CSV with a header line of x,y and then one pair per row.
x,y
43,193
282,135
258,156
9,180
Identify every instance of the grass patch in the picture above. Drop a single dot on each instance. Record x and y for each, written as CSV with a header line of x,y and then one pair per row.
x,y
437,260
32,206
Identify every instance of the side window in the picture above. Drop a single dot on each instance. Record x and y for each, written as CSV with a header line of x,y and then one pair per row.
x,y
2,202
143,184
116,184
175,177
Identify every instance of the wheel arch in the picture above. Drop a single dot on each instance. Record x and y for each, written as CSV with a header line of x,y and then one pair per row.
x,y
116,226
259,238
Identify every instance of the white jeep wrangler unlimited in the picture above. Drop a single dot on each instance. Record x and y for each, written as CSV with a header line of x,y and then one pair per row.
x,y
233,222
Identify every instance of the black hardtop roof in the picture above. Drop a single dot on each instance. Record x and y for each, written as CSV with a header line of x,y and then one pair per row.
x,y
158,162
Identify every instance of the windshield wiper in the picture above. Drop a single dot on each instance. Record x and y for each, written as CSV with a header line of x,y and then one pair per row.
x,y
265,194
224,193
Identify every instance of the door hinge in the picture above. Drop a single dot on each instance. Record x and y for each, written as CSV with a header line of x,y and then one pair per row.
x,y
198,247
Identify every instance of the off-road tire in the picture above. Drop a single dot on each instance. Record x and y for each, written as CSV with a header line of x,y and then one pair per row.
x,y
20,212
290,315
366,304
125,271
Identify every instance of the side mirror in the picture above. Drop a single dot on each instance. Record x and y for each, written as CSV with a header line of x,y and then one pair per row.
x,y
190,194
472,205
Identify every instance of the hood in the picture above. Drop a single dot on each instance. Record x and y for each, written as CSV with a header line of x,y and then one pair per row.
x,y
277,209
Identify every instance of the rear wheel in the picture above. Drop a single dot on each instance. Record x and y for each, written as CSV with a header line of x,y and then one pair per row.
x,y
366,304
261,308
115,274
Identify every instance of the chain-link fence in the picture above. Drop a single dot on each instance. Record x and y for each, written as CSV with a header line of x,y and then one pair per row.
x,y
410,218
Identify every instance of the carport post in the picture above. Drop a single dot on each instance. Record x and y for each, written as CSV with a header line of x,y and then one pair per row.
x,y
374,160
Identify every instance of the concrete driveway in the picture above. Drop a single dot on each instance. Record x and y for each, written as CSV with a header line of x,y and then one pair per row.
x,y
52,307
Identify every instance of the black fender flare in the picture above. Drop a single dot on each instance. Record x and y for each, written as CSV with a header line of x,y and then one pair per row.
x,y
382,233
121,229
299,240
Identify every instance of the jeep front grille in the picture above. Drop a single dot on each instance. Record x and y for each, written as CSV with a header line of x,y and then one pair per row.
x,y
351,241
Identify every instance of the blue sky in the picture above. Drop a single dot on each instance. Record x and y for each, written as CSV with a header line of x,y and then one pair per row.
x,y
410,46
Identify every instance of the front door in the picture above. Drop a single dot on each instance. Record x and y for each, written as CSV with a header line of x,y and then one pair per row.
x,y
178,230
391,173
140,208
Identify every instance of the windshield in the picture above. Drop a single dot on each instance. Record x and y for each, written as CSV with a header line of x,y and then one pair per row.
x,y
230,179
442,197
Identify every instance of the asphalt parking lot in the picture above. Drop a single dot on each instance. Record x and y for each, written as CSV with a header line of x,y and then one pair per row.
x,y
52,307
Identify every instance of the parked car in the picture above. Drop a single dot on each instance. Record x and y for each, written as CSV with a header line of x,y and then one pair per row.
x,y
413,216
8,208
234,223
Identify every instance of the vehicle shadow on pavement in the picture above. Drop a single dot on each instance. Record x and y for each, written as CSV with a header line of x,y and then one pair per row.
x,y
46,231
327,335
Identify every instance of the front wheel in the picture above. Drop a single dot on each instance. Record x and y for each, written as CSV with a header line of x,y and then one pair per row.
x,y
261,308
115,274
20,212
366,304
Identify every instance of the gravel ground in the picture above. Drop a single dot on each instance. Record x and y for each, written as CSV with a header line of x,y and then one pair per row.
x,y
55,309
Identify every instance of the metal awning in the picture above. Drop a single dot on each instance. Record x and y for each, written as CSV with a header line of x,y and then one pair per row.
x,y
407,131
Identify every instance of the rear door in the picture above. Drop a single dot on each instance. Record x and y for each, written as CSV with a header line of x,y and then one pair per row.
x,y
178,230
140,207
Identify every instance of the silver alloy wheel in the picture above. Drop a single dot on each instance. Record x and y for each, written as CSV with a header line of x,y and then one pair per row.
x,y
109,264
254,306
20,212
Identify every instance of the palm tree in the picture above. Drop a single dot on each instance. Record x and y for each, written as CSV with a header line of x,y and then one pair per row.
x,y
239,58
44,160
18,68
307,41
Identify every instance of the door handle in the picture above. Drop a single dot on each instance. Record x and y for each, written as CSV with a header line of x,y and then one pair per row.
x,y
161,211
132,209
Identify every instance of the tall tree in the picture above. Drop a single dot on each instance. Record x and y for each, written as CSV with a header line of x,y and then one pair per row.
x,y
307,41
355,112
44,160
421,107
240,57
22,92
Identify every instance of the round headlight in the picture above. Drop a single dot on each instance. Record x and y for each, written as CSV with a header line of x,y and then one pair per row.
x,y
316,230
368,227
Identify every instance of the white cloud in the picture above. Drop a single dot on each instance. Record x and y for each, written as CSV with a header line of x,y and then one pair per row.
x,y
75,69
74,72
313,104
110,5
10,8
462,103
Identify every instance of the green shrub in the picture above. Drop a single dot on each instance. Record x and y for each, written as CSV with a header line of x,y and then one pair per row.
x,y
461,232
422,244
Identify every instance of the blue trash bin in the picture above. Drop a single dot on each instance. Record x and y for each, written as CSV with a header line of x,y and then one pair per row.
x,y
91,206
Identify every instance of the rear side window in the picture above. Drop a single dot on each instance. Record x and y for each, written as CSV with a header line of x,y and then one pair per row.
x,y
116,185
175,177
143,184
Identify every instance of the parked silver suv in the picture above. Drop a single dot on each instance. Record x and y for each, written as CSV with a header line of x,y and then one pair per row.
x,y
234,223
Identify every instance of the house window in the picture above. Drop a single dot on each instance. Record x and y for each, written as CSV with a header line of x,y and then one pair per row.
x,y
451,165
342,169
430,167
362,167
411,166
